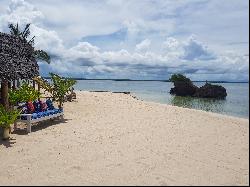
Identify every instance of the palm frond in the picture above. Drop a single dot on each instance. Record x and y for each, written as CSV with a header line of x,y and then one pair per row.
x,y
32,41
38,54
42,55
26,31
14,30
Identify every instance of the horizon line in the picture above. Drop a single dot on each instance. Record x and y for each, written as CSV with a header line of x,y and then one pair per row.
x,y
160,80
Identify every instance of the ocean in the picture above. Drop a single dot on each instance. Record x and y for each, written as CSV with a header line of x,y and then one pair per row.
x,y
236,104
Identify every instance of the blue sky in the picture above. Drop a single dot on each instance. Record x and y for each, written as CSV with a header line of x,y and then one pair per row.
x,y
138,39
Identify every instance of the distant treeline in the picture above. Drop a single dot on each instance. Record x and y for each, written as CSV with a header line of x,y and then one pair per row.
x,y
147,80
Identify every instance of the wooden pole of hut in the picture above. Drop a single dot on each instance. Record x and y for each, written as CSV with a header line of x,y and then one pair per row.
x,y
14,85
18,83
39,87
9,85
34,84
4,94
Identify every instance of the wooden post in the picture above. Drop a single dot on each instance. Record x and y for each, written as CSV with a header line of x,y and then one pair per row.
x,y
39,87
29,124
34,84
9,85
18,83
4,94
14,85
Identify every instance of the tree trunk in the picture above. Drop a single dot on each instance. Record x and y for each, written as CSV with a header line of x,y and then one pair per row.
x,y
4,94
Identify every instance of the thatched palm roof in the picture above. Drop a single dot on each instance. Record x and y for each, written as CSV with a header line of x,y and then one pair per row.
x,y
17,59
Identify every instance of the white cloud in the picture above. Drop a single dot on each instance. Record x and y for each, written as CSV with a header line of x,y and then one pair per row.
x,y
195,50
47,40
20,11
143,46
146,52
171,44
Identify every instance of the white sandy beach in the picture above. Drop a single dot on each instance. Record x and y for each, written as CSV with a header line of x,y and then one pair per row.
x,y
114,139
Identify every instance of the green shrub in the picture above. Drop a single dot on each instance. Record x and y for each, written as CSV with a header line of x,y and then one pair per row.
x,y
8,117
58,88
24,94
179,78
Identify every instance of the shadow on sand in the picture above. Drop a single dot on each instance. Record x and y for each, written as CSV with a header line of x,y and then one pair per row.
x,y
7,143
21,130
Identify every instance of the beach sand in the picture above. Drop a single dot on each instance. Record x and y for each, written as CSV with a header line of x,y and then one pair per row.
x,y
114,139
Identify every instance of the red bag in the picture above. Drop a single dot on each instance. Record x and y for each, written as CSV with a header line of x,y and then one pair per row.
x,y
30,107
43,106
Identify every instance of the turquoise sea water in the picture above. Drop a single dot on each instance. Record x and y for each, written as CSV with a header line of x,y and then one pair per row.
x,y
236,103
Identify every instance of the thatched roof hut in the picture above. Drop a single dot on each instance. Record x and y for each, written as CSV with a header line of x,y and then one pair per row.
x,y
17,59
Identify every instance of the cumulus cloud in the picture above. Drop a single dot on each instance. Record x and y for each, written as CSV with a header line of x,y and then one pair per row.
x,y
143,46
47,40
145,50
195,50
171,44
20,11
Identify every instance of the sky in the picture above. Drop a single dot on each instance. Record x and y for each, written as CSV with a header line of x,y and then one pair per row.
x,y
137,39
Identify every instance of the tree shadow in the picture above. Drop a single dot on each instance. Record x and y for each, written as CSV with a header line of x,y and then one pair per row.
x,y
22,128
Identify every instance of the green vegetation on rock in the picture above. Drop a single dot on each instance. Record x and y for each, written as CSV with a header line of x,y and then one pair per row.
x,y
179,78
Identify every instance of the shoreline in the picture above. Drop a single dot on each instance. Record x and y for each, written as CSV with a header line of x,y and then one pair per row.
x,y
197,110
114,139
153,102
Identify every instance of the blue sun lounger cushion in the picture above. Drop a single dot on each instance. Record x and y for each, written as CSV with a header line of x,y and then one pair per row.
x,y
40,114
56,111
50,112
46,113
34,116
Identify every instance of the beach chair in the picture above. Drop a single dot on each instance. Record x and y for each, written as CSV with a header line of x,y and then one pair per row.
x,y
30,119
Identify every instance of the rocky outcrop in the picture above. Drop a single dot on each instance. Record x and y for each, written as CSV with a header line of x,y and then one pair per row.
x,y
206,91
182,88
211,91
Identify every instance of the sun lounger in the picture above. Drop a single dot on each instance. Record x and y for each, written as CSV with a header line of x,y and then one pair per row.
x,y
29,119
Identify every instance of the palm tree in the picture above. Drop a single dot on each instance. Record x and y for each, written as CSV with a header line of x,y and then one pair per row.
x,y
15,30
39,54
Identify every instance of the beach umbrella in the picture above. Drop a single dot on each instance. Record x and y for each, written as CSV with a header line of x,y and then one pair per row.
x,y
17,61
